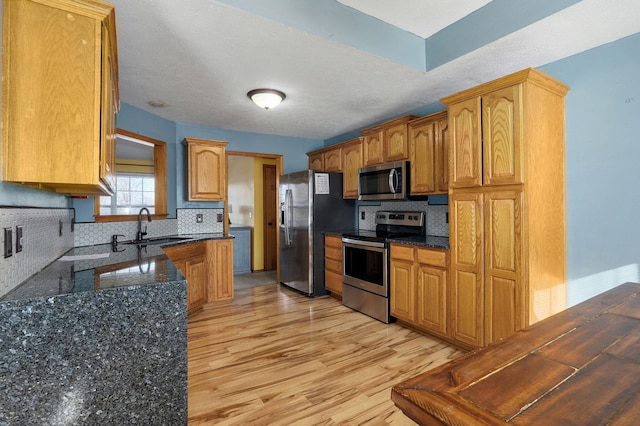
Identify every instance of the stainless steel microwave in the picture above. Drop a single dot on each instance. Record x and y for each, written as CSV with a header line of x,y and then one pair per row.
x,y
384,182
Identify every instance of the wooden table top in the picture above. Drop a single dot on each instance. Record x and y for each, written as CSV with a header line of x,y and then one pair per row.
x,y
578,367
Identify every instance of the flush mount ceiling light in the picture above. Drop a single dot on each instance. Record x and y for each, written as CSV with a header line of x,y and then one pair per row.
x,y
266,98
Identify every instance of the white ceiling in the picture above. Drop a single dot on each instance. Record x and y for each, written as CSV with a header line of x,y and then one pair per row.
x,y
201,57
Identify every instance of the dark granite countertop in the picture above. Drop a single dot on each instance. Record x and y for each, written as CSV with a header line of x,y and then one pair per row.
x,y
101,266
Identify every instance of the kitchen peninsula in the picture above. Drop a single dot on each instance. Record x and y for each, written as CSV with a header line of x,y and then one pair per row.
x,y
97,337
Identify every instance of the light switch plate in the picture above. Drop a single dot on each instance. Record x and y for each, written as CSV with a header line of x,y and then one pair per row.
x,y
18,239
8,243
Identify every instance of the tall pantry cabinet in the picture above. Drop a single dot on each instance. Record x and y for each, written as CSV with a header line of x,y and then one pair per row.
x,y
507,206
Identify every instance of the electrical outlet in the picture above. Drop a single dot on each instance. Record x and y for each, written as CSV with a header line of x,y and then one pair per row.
x,y
199,218
219,217
8,243
18,239
447,217
362,215
60,228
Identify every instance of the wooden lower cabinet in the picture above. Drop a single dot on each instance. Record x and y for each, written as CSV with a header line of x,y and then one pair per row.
x,y
333,264
191,261
208,269
220,254
419,287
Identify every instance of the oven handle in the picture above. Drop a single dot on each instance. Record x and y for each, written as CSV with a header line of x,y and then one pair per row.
x,y
355,243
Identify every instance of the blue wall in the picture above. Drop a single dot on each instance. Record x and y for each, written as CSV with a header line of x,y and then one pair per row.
x,y
141,122
293,150
603,152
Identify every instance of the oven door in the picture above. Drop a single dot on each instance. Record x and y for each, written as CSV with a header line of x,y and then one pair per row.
x,y
365,265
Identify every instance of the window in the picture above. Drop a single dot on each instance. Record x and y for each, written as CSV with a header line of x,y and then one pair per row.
x,y
141,170
133,191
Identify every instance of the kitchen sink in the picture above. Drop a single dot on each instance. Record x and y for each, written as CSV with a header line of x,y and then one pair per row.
x,y
157,240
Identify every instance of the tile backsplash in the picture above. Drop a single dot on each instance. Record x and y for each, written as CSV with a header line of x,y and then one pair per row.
x,y
88,234
436,215
41,242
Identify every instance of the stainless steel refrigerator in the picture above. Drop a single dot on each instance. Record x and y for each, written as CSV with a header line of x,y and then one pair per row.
x,y
310,204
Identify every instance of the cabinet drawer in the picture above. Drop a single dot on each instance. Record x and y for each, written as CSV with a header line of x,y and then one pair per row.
x,y
333,242
334,253
432,257
333,265
402,252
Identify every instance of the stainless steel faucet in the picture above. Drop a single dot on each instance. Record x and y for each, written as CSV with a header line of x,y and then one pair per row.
x,y
142,233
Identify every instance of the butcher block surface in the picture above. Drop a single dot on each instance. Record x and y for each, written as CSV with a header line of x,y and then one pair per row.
x,y
578,367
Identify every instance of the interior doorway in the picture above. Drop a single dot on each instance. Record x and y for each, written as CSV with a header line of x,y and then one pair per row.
x,y
270,193
253,180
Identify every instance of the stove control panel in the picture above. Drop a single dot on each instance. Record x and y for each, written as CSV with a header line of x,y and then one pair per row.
x,y
400,218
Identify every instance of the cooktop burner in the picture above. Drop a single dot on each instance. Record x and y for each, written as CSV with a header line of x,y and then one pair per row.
x,y
393,225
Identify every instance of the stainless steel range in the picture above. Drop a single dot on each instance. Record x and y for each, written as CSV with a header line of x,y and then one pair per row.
x,y
365,256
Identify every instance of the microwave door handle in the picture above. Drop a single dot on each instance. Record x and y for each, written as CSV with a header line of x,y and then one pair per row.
x,y
393,181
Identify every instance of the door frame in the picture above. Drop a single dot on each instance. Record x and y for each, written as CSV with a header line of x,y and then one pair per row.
x,y
279,169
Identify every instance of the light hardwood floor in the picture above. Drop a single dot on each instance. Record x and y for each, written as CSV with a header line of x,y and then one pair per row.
x,y
274,357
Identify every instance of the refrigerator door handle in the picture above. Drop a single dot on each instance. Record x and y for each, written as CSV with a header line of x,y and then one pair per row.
x,y
288,206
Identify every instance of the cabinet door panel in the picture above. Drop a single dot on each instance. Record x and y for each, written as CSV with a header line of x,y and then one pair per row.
x,y
505,287
221,263
442,156
402,289
422,149
333,160
196,269
501,312
352,161
396,143
467,230
372,152
432,299
467,316
207,171
501,133
316,162
467,284
465,147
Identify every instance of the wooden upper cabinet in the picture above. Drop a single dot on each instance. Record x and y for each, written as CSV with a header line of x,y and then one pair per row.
x,y
326,159
206,170
466,143
372,148
316,161
386,142
428,156
351,162
333,160
60,91
502,136
396,142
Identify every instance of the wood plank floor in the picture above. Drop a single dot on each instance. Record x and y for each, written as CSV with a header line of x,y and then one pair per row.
x,y
274,357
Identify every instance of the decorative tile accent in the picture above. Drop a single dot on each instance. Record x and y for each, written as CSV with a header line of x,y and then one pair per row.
x,y
41,243
436,215
88,234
